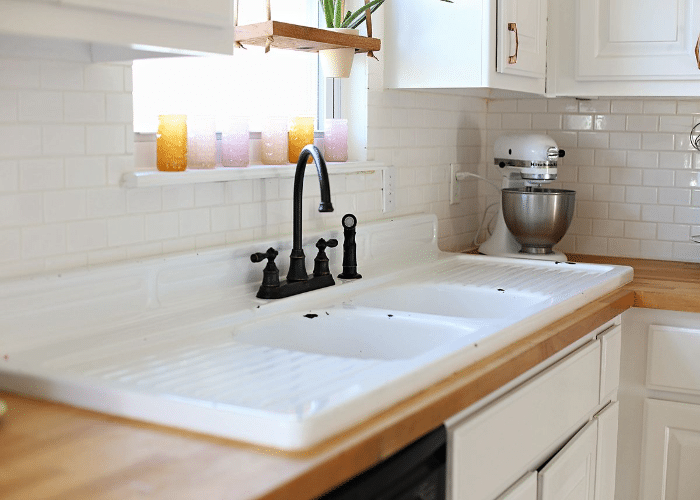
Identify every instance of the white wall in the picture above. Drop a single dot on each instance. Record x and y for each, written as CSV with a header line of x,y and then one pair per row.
x,y
635,174
66,139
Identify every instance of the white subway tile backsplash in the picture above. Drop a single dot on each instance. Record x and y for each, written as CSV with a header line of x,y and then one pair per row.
x,y
9,175
642,123
85,171
10,245
105,77
673,196
162,226
106,139
43,241
658,141
20,74
106,202
86,235
125,230
62,76
625,140
660,107
609,123
20,141
63,140
637,194
40,106
194,221
41,174
84,107
65,205
21,209
207,195
686,215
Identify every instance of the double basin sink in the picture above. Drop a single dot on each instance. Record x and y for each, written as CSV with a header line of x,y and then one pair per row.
x,y
131,340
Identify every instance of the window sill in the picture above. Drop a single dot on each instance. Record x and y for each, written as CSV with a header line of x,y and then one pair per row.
x,y
154,178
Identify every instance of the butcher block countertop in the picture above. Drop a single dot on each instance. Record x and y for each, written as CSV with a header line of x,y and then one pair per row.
x,y
52,451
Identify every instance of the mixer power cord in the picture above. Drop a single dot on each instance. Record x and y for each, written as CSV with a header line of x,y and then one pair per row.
x,y
460,176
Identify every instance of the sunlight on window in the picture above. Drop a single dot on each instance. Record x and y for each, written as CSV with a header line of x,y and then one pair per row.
x,y
250,83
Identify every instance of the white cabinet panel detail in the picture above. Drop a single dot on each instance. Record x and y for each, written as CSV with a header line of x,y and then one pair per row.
x,y
570,475
633,40
673,359
522,41
606,452
525,489
611,343
515,432
671,457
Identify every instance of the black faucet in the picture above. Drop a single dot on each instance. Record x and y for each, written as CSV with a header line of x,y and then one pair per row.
x,y
297,259
298,281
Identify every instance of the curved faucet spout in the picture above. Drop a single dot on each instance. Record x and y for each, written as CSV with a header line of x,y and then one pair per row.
x,y
297,264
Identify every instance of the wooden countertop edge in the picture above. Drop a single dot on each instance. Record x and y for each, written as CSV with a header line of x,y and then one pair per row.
x,y
387,433
658,284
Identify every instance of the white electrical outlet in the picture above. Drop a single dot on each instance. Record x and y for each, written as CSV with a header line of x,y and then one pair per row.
x,y
389,183
455,189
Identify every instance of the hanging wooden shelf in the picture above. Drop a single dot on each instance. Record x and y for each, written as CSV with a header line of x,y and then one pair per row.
x,y
302,38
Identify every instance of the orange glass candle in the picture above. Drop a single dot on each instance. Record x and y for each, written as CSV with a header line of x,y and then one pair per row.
x,y
171,143
301,133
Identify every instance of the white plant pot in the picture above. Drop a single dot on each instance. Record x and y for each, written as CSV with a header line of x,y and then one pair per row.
x,y
337,63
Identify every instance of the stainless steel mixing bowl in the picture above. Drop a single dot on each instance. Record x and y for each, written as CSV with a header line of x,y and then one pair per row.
x,y
538,218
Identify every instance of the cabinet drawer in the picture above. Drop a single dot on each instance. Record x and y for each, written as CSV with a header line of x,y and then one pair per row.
x,y
672,359
611,345
492,449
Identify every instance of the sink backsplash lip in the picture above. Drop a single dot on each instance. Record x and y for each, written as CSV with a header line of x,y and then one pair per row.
x,y
315,415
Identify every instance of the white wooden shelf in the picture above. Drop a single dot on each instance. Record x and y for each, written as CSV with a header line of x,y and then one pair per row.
x,y
151,178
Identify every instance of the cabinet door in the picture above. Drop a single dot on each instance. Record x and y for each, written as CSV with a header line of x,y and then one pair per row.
x,y
522,38
671,454
525,489
633,40
570,475
492,449
208,12
606,452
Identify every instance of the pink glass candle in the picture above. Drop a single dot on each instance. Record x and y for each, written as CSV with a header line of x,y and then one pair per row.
x,y
201,142
336,140
235,143
273,144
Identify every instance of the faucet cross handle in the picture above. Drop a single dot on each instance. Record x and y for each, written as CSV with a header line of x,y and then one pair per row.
x,y
271,275
321,267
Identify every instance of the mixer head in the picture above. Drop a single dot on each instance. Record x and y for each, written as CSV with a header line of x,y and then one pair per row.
x,y
535,156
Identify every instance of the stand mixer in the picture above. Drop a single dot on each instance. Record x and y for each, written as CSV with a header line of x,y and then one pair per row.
x,y
531,219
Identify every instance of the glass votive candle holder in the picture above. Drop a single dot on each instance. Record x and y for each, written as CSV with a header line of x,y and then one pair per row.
x,y
201,142
235,142
171,143
336,139
274,141
301,133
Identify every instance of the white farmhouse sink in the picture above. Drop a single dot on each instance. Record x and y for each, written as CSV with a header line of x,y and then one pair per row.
x,y
351,332
183,341
451,300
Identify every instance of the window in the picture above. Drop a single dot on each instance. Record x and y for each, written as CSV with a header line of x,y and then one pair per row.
x,y
249,83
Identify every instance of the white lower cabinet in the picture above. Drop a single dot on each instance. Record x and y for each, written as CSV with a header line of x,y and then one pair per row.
x,y
570,475
525,489
671,451
547,439
659,443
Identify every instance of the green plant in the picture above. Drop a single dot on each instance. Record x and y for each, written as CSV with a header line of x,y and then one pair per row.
x,y
333,10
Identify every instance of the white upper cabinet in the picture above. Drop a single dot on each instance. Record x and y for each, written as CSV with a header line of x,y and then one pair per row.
x,y
497,44
624,47
126,27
